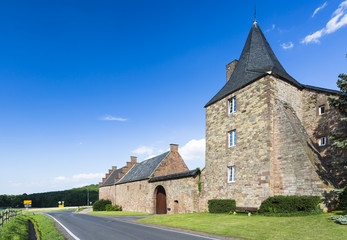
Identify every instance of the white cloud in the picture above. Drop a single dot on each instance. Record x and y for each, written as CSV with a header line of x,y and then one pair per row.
x,y
143,150
287,45
60,178
338,20
194,149
111,118
273,27
88,176
319,8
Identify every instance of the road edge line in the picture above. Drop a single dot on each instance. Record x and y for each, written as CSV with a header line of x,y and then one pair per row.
x,y
65,228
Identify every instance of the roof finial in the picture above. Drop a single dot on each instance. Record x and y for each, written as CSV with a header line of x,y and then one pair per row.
x,y
255,14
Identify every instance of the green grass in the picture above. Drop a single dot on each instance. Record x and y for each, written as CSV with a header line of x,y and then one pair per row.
x,y
255,227
117,213
45,227
82,208
55,210
15,229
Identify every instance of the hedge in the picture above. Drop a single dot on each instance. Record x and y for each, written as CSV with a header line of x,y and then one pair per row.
x,y
290,204
221,205
100,205
110,207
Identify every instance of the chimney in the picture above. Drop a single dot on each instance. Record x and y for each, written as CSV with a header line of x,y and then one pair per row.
x,y
133,159
230,68
174,147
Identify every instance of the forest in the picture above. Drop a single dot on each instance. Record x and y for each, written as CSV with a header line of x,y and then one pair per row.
x,y
71,197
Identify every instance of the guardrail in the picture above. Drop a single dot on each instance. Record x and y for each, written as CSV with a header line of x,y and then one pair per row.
x,y
6,215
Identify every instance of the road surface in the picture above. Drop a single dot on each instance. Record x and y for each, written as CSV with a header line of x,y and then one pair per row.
x,y
89,227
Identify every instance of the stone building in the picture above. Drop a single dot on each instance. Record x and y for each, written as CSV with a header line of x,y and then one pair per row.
x,y
162,184
266,134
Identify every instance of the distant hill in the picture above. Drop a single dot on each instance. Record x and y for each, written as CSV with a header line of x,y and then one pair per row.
x,y
72,197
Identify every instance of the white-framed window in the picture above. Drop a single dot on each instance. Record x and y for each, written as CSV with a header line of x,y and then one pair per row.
x,y
232,105
231,174
321,109
232,138
322,141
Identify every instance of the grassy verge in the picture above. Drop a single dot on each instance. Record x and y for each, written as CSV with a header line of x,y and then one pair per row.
x,y
255,227
117,213
45,227
47,210
82,208
16,229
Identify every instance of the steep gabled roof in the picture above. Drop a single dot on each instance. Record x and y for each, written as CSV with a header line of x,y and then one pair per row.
x,y
257,60
143,170
110,180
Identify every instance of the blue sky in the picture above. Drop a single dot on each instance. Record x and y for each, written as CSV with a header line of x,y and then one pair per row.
x,y
86,84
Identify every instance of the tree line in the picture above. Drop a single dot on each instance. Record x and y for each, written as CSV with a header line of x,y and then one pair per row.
x,y
71,197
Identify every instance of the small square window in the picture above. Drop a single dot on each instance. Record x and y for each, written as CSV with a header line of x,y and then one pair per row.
x,y
322,141
232,138
231,174
232,105
321,109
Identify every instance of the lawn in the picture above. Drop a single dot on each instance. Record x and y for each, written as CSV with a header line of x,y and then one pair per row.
x,y
255,227
117,213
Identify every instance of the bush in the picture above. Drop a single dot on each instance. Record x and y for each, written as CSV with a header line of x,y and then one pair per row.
x,y
343,200
110,207
290,204
100,205
221,205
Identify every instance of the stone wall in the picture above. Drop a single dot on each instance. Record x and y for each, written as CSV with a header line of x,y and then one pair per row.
x,y
107,192
182,195
171,164
305,104
276,151
252,154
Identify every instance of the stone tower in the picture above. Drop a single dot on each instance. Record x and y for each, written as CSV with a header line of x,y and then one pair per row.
x,y
262,131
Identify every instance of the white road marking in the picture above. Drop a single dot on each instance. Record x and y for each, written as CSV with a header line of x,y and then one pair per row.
x,y
66,229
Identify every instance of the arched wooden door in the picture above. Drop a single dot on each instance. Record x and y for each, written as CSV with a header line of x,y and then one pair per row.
x,y
160,201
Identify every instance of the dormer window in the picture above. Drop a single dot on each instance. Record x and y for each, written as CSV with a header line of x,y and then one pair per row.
x,y
322,141
321,109
232,105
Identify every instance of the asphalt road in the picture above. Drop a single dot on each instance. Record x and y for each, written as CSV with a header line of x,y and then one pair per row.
x,y
89,227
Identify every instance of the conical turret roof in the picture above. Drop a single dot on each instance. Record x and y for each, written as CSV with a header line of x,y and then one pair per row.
x,y
257,60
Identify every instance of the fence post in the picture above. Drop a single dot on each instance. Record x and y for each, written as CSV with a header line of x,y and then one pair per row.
x,y
2,219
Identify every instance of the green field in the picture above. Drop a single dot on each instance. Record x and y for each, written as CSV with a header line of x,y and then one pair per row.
x,y
256,226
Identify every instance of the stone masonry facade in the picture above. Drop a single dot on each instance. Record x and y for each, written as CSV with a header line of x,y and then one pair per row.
x,y
277,150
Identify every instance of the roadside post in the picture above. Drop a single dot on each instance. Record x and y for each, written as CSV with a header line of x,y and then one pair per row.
x,y
61,204
27,205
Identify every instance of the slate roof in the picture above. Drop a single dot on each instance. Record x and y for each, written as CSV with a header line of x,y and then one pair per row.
x,y
110,180
257,60
143,170
191,173
321,89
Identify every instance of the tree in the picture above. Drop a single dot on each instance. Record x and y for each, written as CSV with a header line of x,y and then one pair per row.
x,y
340,104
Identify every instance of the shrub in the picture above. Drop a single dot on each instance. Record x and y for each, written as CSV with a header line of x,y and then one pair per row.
x,y
343,200
221,205
100,205
290,204
110,207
